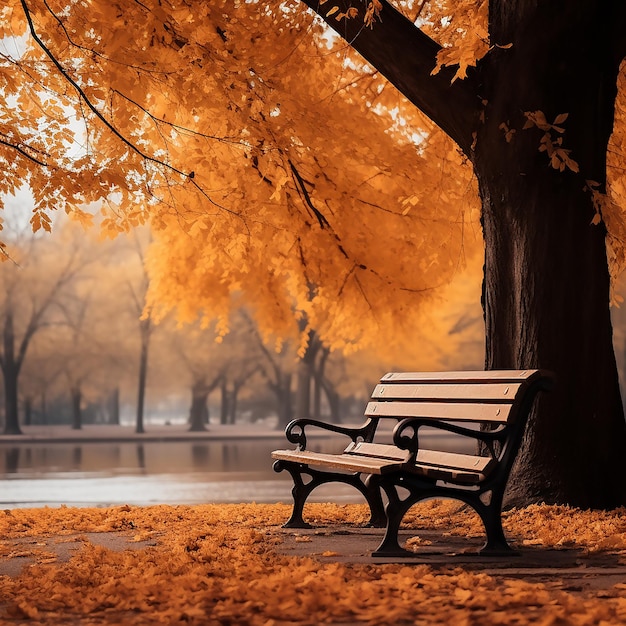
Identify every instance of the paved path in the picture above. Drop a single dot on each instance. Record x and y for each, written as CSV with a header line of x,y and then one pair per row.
x,y
574,569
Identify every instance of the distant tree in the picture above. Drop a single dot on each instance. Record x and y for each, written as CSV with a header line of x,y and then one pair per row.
x,y
138,289
34,285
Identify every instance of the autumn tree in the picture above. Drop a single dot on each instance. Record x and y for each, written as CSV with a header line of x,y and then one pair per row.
x,y
535,119
207,365
36,283
145,333
86,347
131,285
270,156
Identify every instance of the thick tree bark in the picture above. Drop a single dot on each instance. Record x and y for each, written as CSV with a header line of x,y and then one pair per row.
x,y
546,288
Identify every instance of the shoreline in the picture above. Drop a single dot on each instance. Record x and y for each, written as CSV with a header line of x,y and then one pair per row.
x,y
113,433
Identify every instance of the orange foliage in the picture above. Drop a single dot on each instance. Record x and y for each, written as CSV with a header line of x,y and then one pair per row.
x,y
270,160
222,564
327,195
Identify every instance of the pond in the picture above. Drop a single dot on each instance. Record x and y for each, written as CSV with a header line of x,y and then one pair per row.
x,y
103,474
142,473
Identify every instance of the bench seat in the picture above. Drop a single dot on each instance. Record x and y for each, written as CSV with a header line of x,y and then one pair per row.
x,y
381,459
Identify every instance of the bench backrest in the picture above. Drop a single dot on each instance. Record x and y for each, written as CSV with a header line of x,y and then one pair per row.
x,y
474,399
493,396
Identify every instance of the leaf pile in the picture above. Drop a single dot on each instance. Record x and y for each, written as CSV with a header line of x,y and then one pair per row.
x,y
218,564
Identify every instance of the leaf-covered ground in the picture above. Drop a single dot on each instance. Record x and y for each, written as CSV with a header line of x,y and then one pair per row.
x,y
221,564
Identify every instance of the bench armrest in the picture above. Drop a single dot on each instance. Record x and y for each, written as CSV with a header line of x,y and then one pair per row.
x,y
410,441
295,433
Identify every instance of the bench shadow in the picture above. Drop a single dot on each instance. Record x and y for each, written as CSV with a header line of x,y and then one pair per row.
x,y
355,545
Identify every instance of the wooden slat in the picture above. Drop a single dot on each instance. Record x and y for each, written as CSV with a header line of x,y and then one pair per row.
x,y
457,391
450,460
346,462
449,475
370,465
454,460
468,376
378,450
457,411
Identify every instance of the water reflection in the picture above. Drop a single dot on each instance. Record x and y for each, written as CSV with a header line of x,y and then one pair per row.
x,y
77,458
11,460
105,473
199,455
143,458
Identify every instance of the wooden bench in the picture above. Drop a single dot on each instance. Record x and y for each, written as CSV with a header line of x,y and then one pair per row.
x,y
489,410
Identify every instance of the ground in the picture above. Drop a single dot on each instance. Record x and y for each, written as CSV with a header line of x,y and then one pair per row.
x,y
234,564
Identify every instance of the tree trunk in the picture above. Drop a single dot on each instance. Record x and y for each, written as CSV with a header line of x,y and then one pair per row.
x,y
303,389
224,401
318,380
623,385
199,412
11,404
334,400
114,406
232,405
546,285
283,396
28,410
44,408
144,326
76,395
11,372
552,312
305,374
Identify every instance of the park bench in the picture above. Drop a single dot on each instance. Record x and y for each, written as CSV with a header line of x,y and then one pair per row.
x,y
488,409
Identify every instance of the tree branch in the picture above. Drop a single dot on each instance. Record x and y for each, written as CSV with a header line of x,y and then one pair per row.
x,y
23,152
406,57
83,96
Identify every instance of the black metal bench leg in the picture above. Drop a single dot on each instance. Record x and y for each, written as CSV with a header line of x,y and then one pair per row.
x,y
300,492
378,518
395,511
491,515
